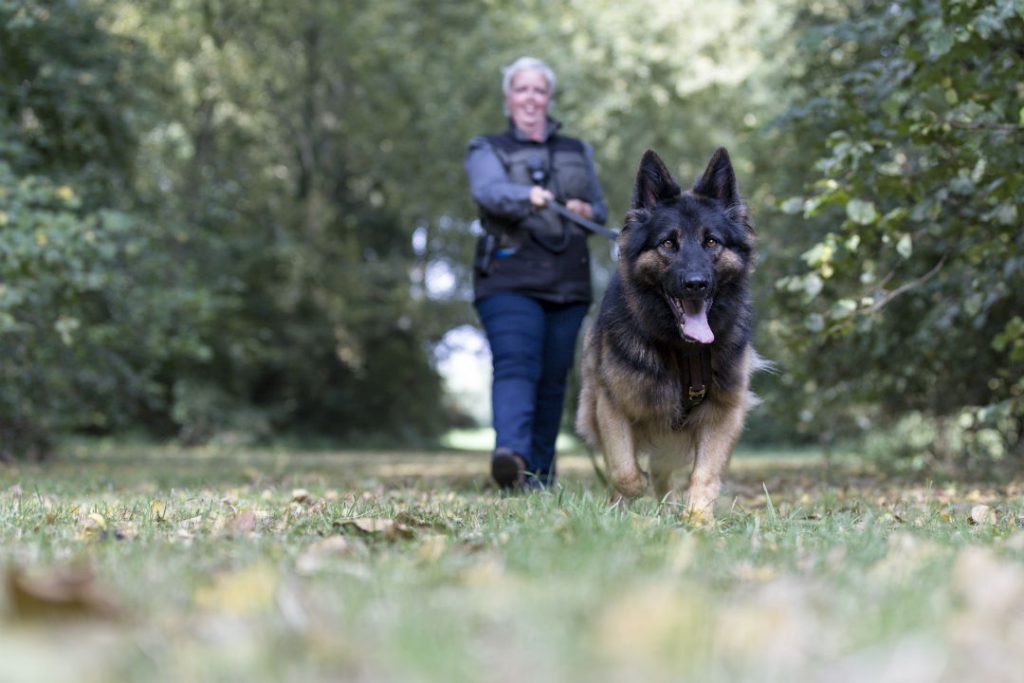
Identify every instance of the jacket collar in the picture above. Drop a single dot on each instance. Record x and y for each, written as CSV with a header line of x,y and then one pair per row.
x,y
552,127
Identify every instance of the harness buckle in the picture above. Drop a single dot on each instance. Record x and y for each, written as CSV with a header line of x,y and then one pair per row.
x,y
697,394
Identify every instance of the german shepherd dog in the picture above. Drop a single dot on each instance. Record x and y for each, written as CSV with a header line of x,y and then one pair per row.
x,y
667,364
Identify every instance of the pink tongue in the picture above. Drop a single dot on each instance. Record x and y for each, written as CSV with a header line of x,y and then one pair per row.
x,y
695,322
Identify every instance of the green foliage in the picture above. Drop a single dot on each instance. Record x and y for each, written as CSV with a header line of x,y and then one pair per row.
x,y
265,154
907,297
268,165
207,207
86,317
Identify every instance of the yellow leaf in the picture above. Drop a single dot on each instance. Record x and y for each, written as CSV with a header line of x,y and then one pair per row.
x,y
432,549
92,527
653,622
65,193
244,592
41,238
159,510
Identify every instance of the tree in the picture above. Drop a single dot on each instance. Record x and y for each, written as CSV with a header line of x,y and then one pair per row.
x,y
85,317
907,299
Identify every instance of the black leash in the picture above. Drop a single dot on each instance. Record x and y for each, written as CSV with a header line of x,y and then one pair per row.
x,y
581,221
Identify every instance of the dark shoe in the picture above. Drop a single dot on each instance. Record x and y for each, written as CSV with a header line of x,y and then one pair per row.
x,y
507,468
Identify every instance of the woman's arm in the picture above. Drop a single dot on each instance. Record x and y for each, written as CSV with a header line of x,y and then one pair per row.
x,y
489,184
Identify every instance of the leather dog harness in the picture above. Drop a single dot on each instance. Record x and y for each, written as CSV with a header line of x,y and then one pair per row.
x,y
695,371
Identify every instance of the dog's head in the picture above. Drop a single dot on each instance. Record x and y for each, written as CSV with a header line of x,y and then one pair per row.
x,y
688,247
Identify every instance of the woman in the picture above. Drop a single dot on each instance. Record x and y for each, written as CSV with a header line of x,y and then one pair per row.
x,y
532,276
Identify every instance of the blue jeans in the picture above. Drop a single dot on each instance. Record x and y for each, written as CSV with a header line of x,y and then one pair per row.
x,y
532,346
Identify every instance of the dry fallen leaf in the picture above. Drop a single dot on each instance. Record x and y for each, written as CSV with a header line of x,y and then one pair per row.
x,y
191,524
242,523
388,528
433,548
409,519
244,592
92,527
125,531
318,555
982,514
989,585
651,623
61,594
159,510
764,626
906,556
681,552
488,572
300,495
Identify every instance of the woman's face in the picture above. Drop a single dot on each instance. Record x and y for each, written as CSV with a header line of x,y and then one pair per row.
x,y
527,100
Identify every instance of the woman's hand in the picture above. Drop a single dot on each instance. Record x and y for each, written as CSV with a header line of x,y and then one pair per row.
x,y
540,197
580,207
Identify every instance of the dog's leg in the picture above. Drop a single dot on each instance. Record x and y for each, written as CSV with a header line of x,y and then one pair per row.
x,y
661,480
670,453
714,447
619,449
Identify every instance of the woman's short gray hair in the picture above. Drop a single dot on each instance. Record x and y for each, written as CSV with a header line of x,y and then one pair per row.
x,y
522,64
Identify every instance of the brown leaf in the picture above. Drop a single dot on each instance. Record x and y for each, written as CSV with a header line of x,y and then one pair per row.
x,y
982,514
242,523
300,495
126,531
59,595
416,521
319,554
374,526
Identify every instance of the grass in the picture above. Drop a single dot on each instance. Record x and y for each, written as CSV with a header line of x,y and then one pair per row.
x,y
322,566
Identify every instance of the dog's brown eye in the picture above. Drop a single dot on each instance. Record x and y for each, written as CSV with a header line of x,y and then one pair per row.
x,y
710,242
668,244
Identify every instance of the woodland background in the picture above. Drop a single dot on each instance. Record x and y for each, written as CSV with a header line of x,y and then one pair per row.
x,y
248,219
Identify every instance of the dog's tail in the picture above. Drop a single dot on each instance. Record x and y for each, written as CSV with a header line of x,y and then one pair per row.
x,y
759,364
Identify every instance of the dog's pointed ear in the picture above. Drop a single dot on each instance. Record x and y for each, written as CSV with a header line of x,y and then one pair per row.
x,y
719,180
653,183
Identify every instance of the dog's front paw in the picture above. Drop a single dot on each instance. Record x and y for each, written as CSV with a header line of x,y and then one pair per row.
x,y
699,516
632,486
